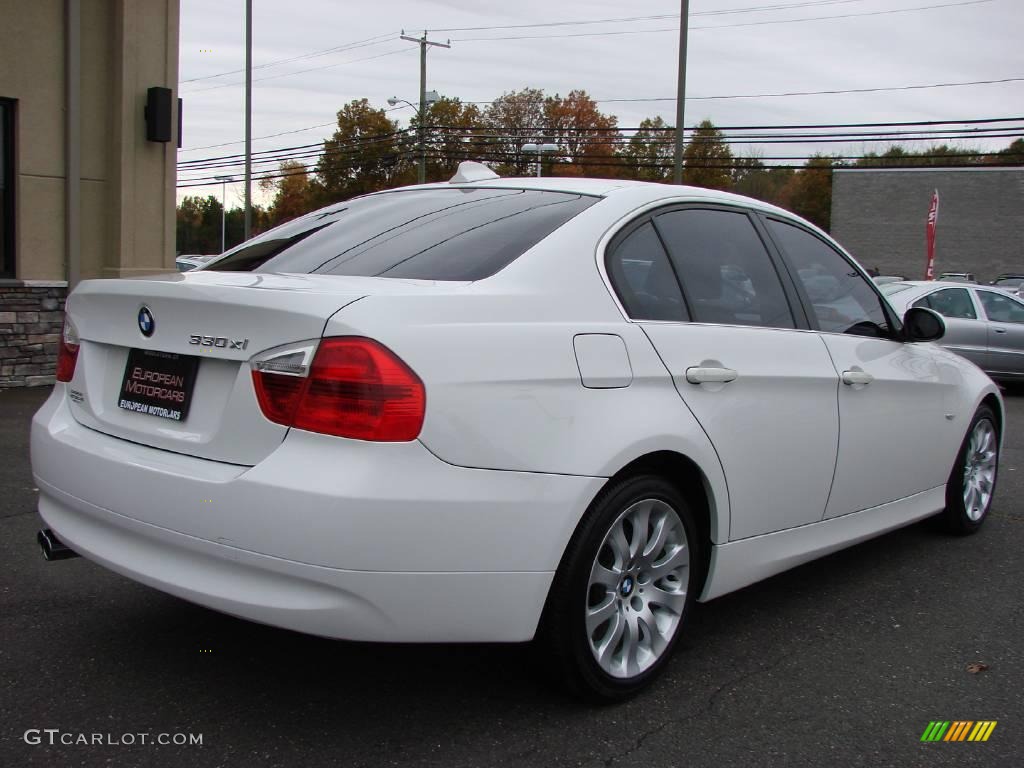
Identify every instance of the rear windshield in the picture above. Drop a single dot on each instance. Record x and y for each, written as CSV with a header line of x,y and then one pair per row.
x,y
888,289
428,234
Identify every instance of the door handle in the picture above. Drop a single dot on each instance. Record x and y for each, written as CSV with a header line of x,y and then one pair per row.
x,y
857,377
999,330
699,375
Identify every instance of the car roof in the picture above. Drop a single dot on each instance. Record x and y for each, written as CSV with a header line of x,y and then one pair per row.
x,y
938,284
642,191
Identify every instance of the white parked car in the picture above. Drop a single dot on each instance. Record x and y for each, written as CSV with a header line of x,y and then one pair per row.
x,y
500,409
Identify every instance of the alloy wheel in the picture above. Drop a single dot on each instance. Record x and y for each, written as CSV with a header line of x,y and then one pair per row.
x,y
979,469
637,588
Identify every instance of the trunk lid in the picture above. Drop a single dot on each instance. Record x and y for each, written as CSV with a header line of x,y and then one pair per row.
x,y
221,318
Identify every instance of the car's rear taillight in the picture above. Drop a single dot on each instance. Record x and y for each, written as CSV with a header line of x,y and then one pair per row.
x,y
347,386
67,352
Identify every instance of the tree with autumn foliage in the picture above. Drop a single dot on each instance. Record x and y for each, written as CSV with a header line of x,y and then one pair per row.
x,y
650,151
809,192
292,195
455,131
512,120
584,135
751,177
707,159
363,155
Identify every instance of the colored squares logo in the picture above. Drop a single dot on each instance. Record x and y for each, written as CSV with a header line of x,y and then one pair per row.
x,y
958,730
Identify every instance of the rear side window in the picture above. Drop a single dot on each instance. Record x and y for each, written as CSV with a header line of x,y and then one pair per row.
x,y
640,272
726,272
1001,308
456,234
950,302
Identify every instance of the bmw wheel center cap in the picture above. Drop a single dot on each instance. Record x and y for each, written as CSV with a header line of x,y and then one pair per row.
x,y
627,586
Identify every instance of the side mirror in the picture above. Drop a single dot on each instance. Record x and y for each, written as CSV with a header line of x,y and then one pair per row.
x,y
922,324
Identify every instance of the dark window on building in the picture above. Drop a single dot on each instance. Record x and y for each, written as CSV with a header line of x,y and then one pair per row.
x,y
951,302
453,233
841,298
727,275
6,188
642,276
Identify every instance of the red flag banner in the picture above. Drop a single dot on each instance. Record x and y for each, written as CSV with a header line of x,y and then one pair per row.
x,y
929,233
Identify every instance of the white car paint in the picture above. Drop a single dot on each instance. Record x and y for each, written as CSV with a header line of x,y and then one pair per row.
x,y
538,389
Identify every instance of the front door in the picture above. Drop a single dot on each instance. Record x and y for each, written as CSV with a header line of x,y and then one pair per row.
x,y
966,332
893,434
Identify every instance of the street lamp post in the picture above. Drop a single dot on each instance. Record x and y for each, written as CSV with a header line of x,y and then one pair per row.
x,y
539,149
223,207
428,99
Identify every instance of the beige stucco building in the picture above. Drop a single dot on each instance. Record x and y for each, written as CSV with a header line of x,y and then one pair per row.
x,y
83,192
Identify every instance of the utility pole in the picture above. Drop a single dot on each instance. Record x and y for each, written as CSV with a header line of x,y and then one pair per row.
x,y
223,209
423,43
248,120
684,24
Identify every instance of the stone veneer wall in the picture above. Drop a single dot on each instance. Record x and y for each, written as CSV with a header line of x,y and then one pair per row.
x,y
31,318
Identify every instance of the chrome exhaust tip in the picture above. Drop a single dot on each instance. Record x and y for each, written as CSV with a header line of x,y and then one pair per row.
x,y
52,547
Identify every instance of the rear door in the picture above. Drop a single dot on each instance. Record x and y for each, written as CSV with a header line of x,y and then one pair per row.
x,y
966,331
893,435
1005,329
723,323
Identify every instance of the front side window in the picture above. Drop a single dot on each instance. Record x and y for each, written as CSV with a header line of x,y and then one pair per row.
x,y
642,277
841,298
456,233
6,188
1001,308
726,272
950,302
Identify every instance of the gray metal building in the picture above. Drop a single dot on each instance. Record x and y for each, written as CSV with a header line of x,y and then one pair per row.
x,y
879,215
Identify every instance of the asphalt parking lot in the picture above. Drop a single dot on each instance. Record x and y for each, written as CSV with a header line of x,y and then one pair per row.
x,y
840,662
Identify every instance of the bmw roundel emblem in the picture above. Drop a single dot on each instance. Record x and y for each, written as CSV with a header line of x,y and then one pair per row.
x,y
146,322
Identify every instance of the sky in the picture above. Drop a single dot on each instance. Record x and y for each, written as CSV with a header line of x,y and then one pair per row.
x,y
736,48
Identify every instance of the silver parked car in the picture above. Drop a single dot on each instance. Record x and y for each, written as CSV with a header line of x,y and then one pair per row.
x,y
983,323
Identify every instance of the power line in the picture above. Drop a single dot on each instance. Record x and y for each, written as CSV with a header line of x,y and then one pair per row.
x,y
828,92
657,17
271,135
257,138
481,146
484,133
724,26
382,38
375,40
301,71
618,161
831,92
359,140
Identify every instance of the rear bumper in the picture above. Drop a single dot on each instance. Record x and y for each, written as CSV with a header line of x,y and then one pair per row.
x,y
362,541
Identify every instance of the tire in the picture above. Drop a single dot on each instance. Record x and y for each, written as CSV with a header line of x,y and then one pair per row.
x,y
976,466
624,589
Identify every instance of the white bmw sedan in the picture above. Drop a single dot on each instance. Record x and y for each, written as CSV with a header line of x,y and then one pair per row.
x,y
505,409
